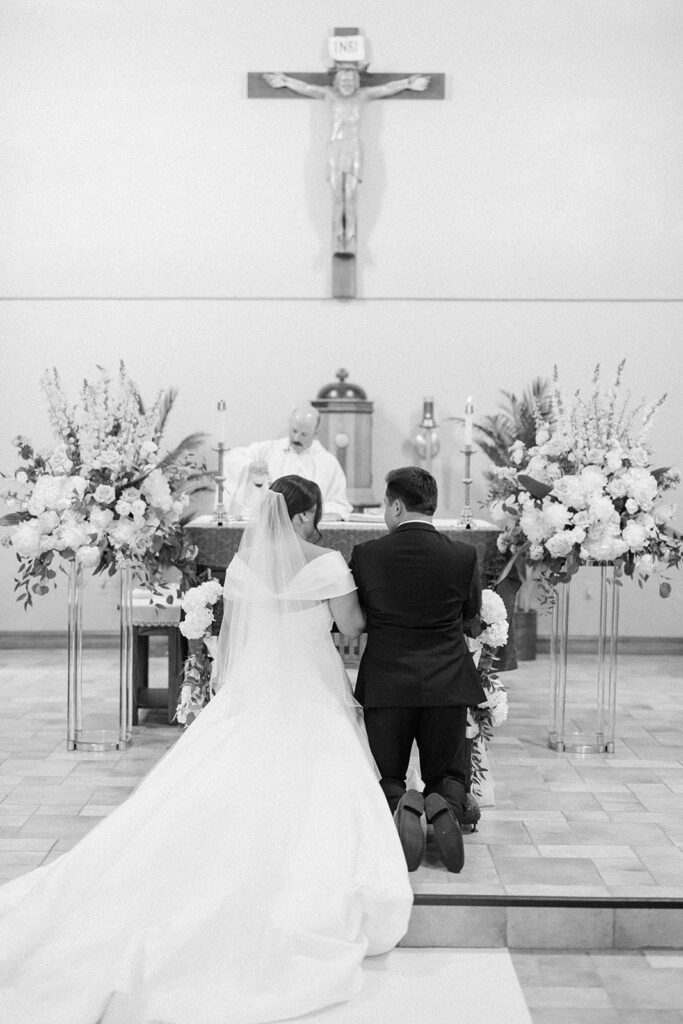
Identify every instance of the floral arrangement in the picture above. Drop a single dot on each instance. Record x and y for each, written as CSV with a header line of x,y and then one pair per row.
x,y
483,718
203,610
103,497
586,491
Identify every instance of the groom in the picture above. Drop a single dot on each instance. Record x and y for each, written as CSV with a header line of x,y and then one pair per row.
x,y
417,678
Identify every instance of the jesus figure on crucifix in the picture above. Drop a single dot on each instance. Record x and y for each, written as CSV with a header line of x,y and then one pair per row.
x,y
344,153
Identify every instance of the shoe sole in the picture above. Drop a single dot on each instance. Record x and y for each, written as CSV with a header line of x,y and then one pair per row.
x,y
447,833
409,827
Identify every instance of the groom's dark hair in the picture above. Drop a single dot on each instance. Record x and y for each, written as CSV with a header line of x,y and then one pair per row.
x,y
415,487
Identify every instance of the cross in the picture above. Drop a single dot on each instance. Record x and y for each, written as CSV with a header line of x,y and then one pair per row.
x,y
346,87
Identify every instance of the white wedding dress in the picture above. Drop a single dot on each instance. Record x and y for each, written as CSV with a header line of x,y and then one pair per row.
x,y
250,872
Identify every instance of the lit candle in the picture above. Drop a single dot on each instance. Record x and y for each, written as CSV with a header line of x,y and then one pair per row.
x,y
220,432
469,410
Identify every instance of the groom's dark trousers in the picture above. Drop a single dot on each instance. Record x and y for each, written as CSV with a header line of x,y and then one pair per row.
x,y
416,677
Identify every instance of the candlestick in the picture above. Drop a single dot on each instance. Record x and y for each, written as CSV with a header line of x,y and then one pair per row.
x,y
468,452
219,512
469,411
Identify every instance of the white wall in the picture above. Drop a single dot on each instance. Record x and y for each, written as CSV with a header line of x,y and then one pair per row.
x,y
151,212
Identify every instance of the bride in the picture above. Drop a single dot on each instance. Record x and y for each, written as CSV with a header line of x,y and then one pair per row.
x,y
257,864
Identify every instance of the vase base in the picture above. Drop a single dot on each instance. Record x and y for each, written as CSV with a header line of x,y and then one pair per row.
x,y
98,742
580,743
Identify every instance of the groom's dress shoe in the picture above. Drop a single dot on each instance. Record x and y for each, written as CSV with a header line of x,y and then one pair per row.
x,y
447,834
408,818
471,814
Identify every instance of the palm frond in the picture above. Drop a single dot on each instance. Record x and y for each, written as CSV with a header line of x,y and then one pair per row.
x,y
515,422
188,444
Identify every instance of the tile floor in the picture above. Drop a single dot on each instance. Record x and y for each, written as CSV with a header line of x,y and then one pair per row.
x,y
581,825
562,824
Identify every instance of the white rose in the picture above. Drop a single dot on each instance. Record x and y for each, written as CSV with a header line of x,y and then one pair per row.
x,y
48,521
536,467
603,545
100,518
157,491
596,456
553,471
77,486
138,508
123,508
577,535
639,456
60,461
517,453
533,524
614,459
73,537
556,514
570,492
122,533
147,449
602,509
634,535
592,480
645,564
104,494
616,488
646,520
640,485
631,506
560,544
88,556
555,446
108,458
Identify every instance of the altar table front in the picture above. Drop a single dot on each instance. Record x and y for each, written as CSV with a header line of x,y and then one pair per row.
x,y
216,545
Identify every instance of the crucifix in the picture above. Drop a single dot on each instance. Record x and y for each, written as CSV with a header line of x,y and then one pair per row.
x,y
346,87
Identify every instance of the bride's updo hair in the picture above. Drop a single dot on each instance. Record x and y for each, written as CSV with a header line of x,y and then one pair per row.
x,y
300,495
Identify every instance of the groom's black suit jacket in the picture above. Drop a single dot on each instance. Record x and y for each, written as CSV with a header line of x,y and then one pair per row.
x,y
416,586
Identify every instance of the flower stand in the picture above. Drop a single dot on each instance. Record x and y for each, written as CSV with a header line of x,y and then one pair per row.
x,y
582,713
99,715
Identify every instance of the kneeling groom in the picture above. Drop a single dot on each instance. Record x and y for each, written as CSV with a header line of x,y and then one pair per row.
x,y
417,678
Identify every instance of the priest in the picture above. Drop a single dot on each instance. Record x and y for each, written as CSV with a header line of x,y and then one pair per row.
x,y
249,470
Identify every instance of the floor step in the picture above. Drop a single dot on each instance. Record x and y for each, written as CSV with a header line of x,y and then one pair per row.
x,y
545,923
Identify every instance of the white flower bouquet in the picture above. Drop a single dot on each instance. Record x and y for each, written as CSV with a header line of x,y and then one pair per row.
x,y
492,627
587,492
202,607
104,496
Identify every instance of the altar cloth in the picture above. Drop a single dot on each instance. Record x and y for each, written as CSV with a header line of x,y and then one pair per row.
x,y
217,545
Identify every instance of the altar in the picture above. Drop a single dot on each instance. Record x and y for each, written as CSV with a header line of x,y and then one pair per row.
x,y
216,545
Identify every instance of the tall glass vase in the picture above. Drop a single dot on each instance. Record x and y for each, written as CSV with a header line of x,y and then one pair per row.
x,y
583,706
99,692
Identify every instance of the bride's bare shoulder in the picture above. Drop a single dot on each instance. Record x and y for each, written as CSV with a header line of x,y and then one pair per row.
x,y
312,551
